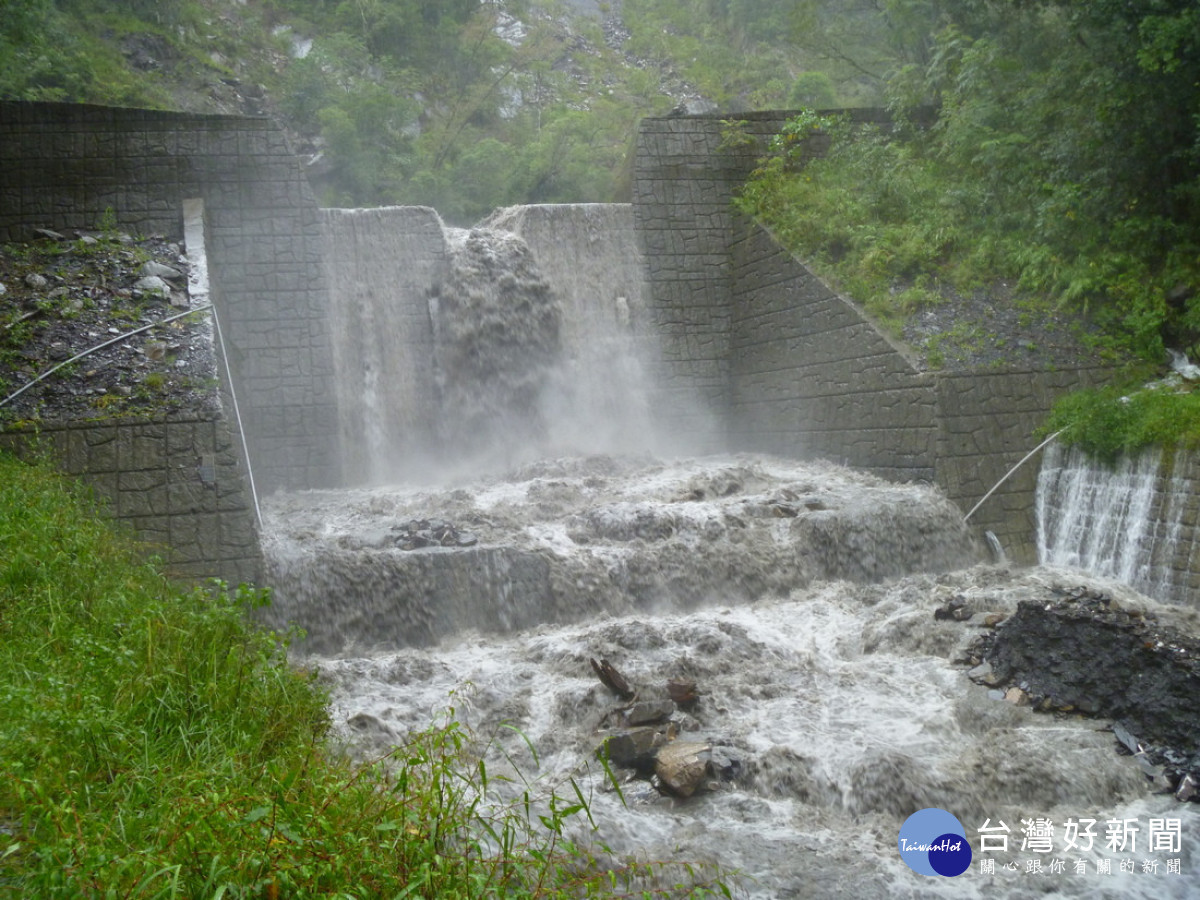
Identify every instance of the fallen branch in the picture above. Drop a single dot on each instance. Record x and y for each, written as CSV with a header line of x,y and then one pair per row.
x,y
612,679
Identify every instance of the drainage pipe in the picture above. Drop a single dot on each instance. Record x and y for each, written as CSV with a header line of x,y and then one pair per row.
x,y
237,415
1024,459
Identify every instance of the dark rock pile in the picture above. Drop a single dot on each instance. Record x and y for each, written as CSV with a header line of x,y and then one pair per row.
x,y
1081,652
421,533
61,296
995,328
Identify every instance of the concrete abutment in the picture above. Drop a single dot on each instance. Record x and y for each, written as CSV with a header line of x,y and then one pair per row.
x,y
753,351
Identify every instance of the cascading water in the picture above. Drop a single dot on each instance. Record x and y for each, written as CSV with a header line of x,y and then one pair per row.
x,y
1120,522
463,349
496,344
382,265
800,597
569,539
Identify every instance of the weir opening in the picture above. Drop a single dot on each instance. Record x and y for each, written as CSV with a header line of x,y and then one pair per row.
x,y
519,515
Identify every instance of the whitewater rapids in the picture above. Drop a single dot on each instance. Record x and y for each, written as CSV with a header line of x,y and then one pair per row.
x,y
799,597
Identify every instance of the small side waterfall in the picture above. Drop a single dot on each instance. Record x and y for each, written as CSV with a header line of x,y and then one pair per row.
x,y
1134,522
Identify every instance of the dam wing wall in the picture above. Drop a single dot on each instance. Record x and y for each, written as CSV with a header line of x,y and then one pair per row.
x,y
791,367
70,166
744,348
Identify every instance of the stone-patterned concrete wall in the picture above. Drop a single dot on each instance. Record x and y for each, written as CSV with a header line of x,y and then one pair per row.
x,y
789,367
682,191
810,376
177,483
66,166
986,425
686,171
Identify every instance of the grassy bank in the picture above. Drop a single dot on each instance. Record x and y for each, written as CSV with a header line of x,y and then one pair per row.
x,y
1109,422
155,744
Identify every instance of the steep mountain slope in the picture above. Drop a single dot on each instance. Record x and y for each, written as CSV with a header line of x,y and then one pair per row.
x,y
463,105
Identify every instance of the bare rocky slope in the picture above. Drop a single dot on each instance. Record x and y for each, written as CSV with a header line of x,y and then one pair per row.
x,y
61,296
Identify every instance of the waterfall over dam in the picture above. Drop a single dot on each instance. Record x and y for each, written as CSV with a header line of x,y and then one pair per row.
x,y
518,515
807,601
479,348
510,361
1134,521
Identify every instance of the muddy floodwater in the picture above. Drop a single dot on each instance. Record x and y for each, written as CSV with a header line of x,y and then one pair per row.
x,y
800,598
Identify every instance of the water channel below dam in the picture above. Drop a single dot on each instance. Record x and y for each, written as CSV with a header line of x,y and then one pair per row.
x,y
800,598
520,517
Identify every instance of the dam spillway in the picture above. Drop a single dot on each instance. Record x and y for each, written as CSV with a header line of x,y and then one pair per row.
x,y
498,540
522,337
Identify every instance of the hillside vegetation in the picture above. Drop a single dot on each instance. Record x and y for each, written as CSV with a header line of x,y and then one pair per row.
x,y
457,104
156,744
1053,168
1063,157
1046,156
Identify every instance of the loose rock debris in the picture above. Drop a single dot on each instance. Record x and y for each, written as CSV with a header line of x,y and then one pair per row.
x,y
65,295
1080,652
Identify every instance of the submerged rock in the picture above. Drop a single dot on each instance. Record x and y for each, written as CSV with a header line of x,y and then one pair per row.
x,y
648,712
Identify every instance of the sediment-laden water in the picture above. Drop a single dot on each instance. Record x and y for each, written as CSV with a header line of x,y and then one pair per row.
x,y
800,599
482,348
566,540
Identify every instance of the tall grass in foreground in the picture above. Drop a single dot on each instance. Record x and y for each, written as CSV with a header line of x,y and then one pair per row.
x,y
156,744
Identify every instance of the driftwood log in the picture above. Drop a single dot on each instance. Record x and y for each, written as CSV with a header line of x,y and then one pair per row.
x,y
612,679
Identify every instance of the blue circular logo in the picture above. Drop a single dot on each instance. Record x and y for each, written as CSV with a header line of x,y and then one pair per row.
x,y
933,842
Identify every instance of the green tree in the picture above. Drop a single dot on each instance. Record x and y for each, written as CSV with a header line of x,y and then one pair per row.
x,y
812,90
37,54
1065,155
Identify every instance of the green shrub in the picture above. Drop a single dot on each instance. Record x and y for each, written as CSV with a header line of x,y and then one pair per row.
x,y
812,90
1109,422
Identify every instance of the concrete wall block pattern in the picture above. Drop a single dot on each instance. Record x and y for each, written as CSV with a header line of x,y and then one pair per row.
x,y
64,165
805,372
176,482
